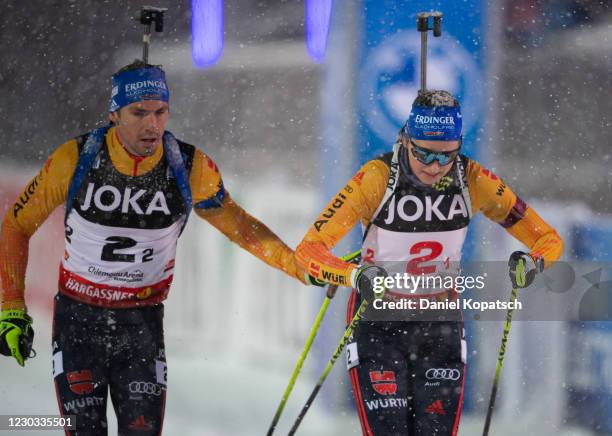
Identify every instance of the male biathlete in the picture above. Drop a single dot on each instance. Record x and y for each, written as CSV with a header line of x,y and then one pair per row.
x,y
128,191
415,204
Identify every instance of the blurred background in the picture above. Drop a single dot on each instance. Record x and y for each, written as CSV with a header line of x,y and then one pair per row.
x,y
289,108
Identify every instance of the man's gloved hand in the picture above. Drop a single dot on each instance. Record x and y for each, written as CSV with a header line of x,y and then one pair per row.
x,y
16,334
370,280
523,268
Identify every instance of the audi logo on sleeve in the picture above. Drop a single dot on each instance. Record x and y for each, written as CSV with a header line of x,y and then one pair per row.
x,y
443,374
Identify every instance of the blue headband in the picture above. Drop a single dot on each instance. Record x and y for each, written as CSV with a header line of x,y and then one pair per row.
x,y
440,123
148,83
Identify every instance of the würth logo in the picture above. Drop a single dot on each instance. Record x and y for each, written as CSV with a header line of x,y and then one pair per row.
x,y
314,270
80,382
383,382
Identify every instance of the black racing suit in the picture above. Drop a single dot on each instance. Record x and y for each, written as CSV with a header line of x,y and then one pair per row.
x,y
95,349
407,377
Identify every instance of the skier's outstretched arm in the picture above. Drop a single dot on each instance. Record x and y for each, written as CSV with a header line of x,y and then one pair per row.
x,y
358,199
213,203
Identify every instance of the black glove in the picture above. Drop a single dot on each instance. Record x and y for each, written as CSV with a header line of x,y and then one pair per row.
x,y
369,281
16,334
523,268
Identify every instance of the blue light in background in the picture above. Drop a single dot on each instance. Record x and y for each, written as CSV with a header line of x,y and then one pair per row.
x,y
206,32
318,14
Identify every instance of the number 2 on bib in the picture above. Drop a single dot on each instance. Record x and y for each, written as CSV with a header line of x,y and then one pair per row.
x,y
114,243
414,265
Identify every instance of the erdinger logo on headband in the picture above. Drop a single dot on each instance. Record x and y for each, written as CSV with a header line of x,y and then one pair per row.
x,y
147,83
421,119
442,123
131,88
